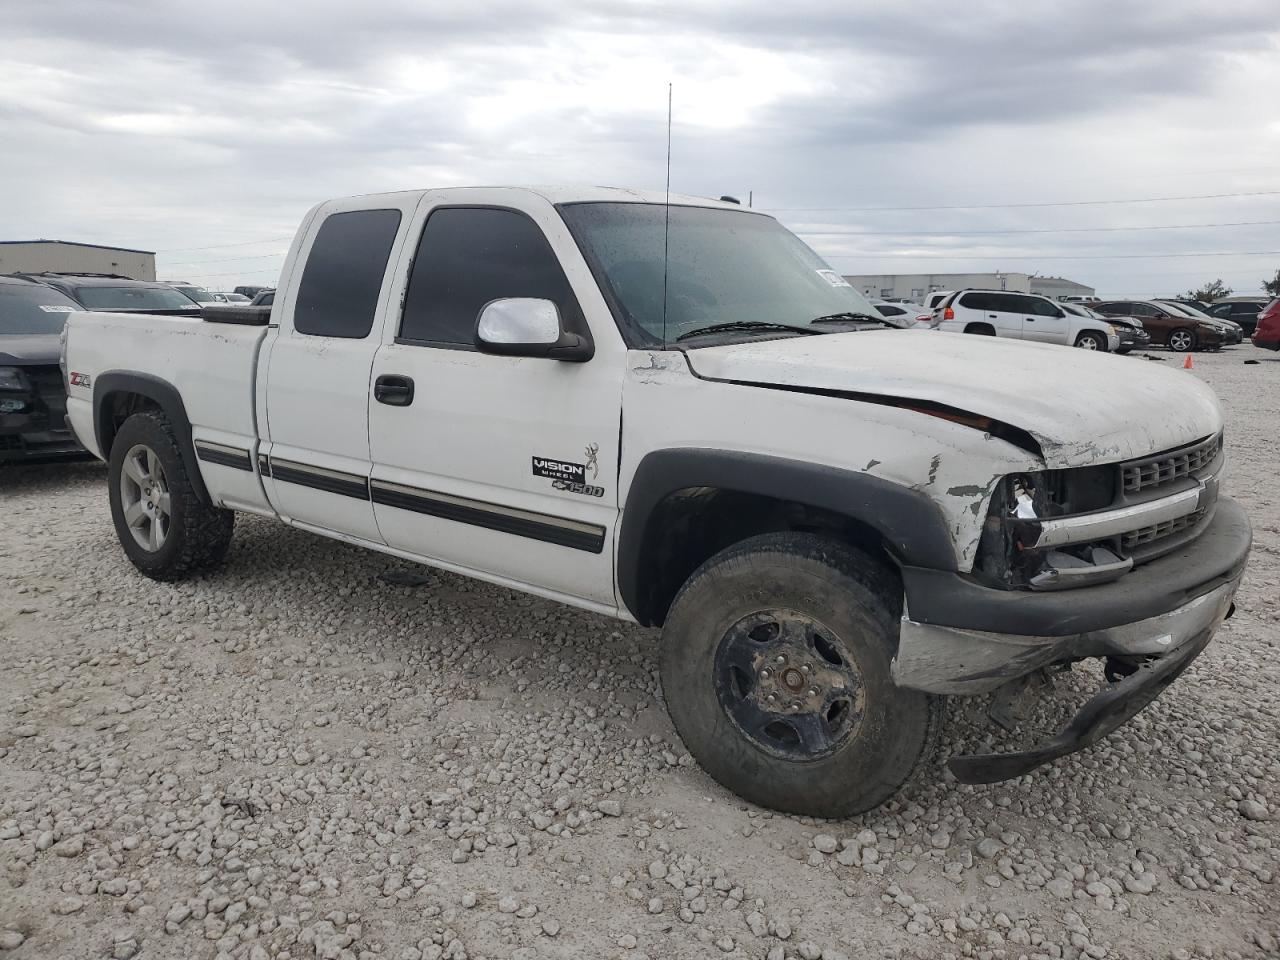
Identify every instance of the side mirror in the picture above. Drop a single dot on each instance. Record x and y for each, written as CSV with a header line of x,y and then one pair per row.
x,y
526,327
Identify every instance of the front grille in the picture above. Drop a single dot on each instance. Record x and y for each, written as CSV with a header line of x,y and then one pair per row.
x,y
1165,468
1158,531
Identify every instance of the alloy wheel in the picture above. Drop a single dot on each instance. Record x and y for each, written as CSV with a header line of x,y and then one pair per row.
x,y
144,495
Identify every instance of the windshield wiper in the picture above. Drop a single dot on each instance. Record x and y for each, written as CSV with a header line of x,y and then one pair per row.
x,y
847,317
733,325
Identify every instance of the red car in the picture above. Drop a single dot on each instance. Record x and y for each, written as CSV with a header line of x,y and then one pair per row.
x,y
1267,333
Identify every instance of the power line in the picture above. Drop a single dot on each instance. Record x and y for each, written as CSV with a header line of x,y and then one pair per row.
x,y
1051,256
977,233
221,246
1056,203
261,256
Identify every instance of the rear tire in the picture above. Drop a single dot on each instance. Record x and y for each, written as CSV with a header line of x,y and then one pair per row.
x,y
1091,341
1182,340
981,329
838,738
166,530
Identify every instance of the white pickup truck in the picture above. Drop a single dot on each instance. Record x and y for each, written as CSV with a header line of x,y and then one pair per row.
x,y
679,415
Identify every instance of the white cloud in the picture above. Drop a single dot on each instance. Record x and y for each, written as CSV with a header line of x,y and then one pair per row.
x,y
175,125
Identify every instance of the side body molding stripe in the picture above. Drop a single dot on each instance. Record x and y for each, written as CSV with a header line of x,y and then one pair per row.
x,y
491,516
223,455
320,478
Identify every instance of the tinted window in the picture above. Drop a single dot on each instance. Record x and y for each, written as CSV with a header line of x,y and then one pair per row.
x,y
340,285
1248,309
890,311
469,256
31,308
1145,310
982,301
1043,308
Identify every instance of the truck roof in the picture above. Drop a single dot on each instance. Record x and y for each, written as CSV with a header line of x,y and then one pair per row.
x,y
576,194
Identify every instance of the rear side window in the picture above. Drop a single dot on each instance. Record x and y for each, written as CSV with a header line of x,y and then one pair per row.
x,y
469,256
982,301
340,284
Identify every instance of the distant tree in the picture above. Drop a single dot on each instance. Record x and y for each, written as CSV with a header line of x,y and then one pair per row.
x,y
1272,286
1209,292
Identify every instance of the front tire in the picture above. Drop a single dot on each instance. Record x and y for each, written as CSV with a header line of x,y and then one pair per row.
x,y
823,731
1182,340
1091,341
166,530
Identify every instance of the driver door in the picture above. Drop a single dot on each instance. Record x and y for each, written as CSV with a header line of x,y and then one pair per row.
x,y
495,465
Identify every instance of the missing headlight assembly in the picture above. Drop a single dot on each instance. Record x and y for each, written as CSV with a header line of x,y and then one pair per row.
x,y
1057,529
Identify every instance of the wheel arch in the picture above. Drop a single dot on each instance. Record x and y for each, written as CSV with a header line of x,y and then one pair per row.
x,y
686,504
119,394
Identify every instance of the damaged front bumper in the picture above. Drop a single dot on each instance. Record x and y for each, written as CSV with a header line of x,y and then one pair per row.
x,y
1155,621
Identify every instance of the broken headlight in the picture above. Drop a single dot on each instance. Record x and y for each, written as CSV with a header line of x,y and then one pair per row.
x,y
1009,552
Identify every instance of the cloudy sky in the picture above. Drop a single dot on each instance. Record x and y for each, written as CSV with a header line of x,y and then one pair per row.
x,y
895,137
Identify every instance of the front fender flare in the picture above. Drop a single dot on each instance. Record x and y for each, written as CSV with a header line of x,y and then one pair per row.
x,y
911,524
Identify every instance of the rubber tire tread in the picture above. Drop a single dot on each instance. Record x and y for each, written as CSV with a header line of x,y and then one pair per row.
x,y
199,533
835,581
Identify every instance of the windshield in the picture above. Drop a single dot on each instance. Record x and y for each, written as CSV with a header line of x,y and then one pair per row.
x,y
1080,310
32,309
198,295
1182,310
133,298
723,266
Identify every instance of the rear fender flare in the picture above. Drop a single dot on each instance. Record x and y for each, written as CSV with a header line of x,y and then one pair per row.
x,y
164,395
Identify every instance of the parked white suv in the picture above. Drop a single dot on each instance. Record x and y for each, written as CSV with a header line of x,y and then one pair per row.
x,y
1021,316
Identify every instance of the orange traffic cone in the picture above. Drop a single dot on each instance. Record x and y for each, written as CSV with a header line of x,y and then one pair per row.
x,y
1187,364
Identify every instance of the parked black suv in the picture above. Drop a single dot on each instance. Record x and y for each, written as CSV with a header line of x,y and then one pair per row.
x,y
115,294
33,397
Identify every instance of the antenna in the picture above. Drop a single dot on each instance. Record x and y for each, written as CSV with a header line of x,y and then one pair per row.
x,y
666,224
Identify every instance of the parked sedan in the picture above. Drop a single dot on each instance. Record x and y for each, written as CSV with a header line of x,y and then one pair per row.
x,y
901,314
1234,329
1169,327
33,397
1267,333
1242,310
1128,329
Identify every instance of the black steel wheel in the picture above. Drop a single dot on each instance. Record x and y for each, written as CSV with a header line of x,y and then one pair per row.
x,y
775,668
789,684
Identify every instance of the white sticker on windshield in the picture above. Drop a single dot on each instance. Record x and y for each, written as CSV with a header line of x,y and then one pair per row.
x,y
57,308
833,278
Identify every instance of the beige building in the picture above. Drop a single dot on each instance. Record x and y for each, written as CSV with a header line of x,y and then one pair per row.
x,y
916,286
62,256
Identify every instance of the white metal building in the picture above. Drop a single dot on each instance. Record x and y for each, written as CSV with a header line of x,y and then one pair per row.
x,y
916,286
63,256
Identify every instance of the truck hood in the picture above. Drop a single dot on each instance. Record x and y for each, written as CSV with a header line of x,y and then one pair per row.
x,y
1081,407
29,349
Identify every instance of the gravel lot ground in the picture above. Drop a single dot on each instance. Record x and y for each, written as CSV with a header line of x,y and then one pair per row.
x,y
295,758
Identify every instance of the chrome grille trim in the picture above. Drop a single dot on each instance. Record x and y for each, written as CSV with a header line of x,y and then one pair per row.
x,y
1158,531
1138,475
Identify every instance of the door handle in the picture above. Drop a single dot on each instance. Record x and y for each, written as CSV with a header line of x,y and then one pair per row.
x,y
393,390
1030,319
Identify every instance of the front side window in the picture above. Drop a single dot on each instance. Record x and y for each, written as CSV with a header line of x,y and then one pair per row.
x,y
31,308
338,295
721,267
133,298
469,256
